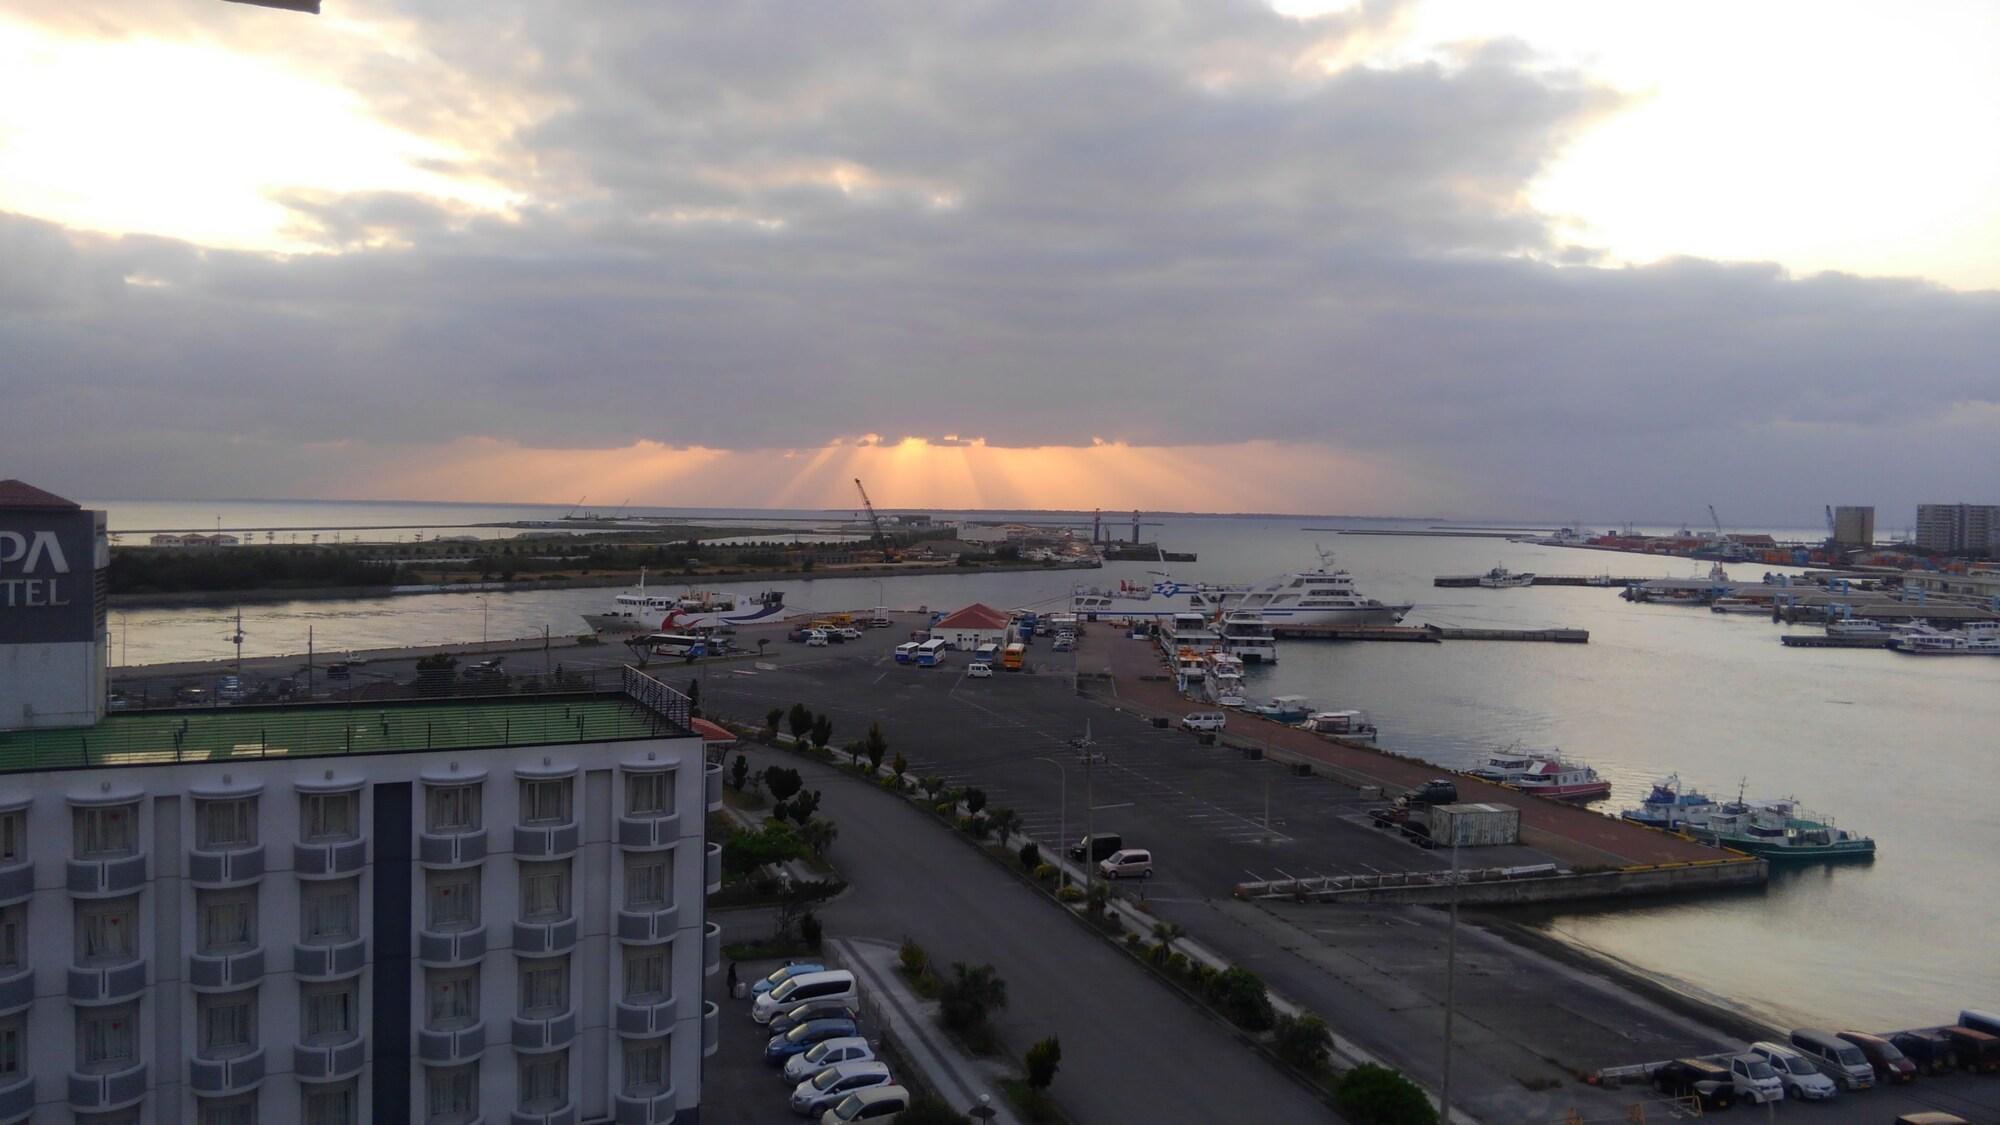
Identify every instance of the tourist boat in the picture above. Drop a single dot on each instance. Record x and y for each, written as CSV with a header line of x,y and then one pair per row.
x,y
1738,605
1189,667
1341,724
1563,781
1500,578
1247,636
1285,709
1859,627
1158,600
1974,638
640,610
1671,807
1323,596
1779,832
1224,679
1510,765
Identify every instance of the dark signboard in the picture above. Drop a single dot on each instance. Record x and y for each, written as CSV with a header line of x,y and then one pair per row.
x,y
47,580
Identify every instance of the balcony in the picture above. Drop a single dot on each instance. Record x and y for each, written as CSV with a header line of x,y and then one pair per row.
x,y
17,990
644,1019
653,832
100,877
546,841
532,1033
329,860
210,870
97,985
645,1109
328,962
451,849
534,938
457,1046
208,971
711,777
215,1077
712,857
648,925
564,1116
17,883
711,1028
454,947
314,1063
17,1098
98,1093
711,948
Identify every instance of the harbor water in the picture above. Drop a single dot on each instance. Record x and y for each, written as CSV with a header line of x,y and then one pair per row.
x,y
1897,747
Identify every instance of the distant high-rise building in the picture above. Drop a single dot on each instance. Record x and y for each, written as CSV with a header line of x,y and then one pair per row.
x,y
1958,529
1853,526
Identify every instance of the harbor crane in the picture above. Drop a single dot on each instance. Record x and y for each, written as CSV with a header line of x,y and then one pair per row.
x,y
1717,521
875,521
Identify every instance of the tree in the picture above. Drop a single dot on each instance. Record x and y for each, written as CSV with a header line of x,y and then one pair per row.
x,y
772,718
1004,822
1031,856
933,786
782,782
435,673
975,799
854,749
819,834
1041,1062
745,852
970,994
800,720
804,806
810,930
1164,934
1241,996
899,767
822,731
738,771
878,747
1302,1041
1376,1095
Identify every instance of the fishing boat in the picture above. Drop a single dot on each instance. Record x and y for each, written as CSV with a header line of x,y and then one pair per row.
x,y
1781,833
1341,724
1285,709
1247,636
1323,596
1671,807
1510,765
1563,781
640,610
1500,578
1224,679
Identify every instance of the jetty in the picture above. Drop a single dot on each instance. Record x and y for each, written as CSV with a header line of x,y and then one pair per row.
x,y
1814,640
1425,634
1467,580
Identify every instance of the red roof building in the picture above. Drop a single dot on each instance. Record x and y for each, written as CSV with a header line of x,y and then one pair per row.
x,y
971,627
21,494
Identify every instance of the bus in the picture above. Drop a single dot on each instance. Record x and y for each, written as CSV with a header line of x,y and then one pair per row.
x,y
930,654
906,653
677,644
1012,656
987,653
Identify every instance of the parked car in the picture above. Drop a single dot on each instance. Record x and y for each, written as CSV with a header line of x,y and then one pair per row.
x,y
824,1054
833,984
230,689
1694,1078
780,1048
800,635
1090,849
1980,1021
979,671
783,973
1930,1049
1754,1080
1976,1050
813,1010
1835,1057
1800,1078
1889,1063
832,1085
336,671
817,639
847,633
1127,863
876,1104
1436,791
1204,721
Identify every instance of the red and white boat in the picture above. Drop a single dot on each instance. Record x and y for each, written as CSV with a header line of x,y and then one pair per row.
x,y
1562,781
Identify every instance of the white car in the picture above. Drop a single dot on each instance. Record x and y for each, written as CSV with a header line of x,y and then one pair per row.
x,y
849,632
1127,863
1205,721
1755,1080
846,1049
1800,1078
816,639
832,1085
978,670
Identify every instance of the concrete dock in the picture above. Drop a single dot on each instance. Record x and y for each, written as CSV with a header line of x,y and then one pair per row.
x,y
1425,634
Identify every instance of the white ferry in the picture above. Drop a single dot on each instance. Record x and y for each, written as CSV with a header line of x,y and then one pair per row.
x,y
1158,600
1321,596
1974,638
640,610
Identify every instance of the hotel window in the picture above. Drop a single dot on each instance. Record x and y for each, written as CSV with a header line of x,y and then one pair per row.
x,y
329,1015
544,1082
451,999
646,881
645,1066
222,825
329,817
649,794
329,912
106,832
107,933
13,938
227,921
227,1111
227,1023
545,801
452,808
545,987
454,900
106,1039
13,836
544,891
331,1105
12,1032
646,973
452,1094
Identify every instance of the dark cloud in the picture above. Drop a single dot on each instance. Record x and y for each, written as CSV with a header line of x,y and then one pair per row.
x,y
774,225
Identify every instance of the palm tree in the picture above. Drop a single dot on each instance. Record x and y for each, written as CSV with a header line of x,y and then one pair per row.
x,y
1004,821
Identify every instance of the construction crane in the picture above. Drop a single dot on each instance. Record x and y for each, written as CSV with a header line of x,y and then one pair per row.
x,y
875,521
1717,521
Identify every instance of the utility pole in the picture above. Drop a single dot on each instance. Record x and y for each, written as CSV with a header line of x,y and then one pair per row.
x,y
1450,977
1062,819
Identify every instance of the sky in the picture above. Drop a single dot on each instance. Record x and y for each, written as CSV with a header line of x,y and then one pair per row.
x,y
1570,259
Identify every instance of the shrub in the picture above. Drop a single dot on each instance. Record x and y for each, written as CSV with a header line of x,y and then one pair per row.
x,y
1132,941
811,931
877,747
1044,872
1070,893
1376,1095
1031,856
782,782
746,851
913,958
1302,1041
1041,1062
800,720
899,765
1099,895
970,994
1241,997
974,826
822,731
772,718
975,799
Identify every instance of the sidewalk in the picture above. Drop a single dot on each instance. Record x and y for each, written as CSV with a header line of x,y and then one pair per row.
x,y
963,1082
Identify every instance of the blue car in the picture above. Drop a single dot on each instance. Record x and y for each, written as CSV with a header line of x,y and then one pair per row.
x,y
802,1037
782,974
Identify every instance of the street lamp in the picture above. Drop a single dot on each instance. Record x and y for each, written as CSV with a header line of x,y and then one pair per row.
x,y
1450,976
1062,819
482,622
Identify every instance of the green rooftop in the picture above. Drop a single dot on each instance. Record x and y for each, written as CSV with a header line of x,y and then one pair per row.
x,y
147,738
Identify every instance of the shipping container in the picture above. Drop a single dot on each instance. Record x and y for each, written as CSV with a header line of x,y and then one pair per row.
x,y
1475,826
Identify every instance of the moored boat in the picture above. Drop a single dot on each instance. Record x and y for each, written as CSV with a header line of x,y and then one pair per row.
x,y
1500,578
640,610
1779,832
1247,636
1224,679
1341,724
1322,596
1671,807
1974,638
1285,709
1563,781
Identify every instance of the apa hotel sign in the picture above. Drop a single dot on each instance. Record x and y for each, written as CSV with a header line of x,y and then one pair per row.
x,y
47,569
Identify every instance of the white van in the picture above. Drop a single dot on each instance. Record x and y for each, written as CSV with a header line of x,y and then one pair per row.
x,y
876,1104
979,670
1796,1073
1835,1057
836,984
1754,1078
1205,721
1127,863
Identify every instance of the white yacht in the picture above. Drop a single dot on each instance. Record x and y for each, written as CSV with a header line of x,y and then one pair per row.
x,y
1322,596
1247,636
1224,679
640,610
1341,724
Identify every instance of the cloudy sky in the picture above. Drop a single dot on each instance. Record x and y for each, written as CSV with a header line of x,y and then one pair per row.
x,y
1559,259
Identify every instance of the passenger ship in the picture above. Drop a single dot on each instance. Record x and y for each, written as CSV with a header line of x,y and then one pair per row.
x,y
1247,636
644,611
1322,596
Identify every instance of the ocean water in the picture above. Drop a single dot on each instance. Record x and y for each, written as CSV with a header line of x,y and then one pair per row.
x,y
1901,748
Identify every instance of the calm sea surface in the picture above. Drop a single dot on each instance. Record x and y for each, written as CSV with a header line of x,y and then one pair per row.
x,y
1902,748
